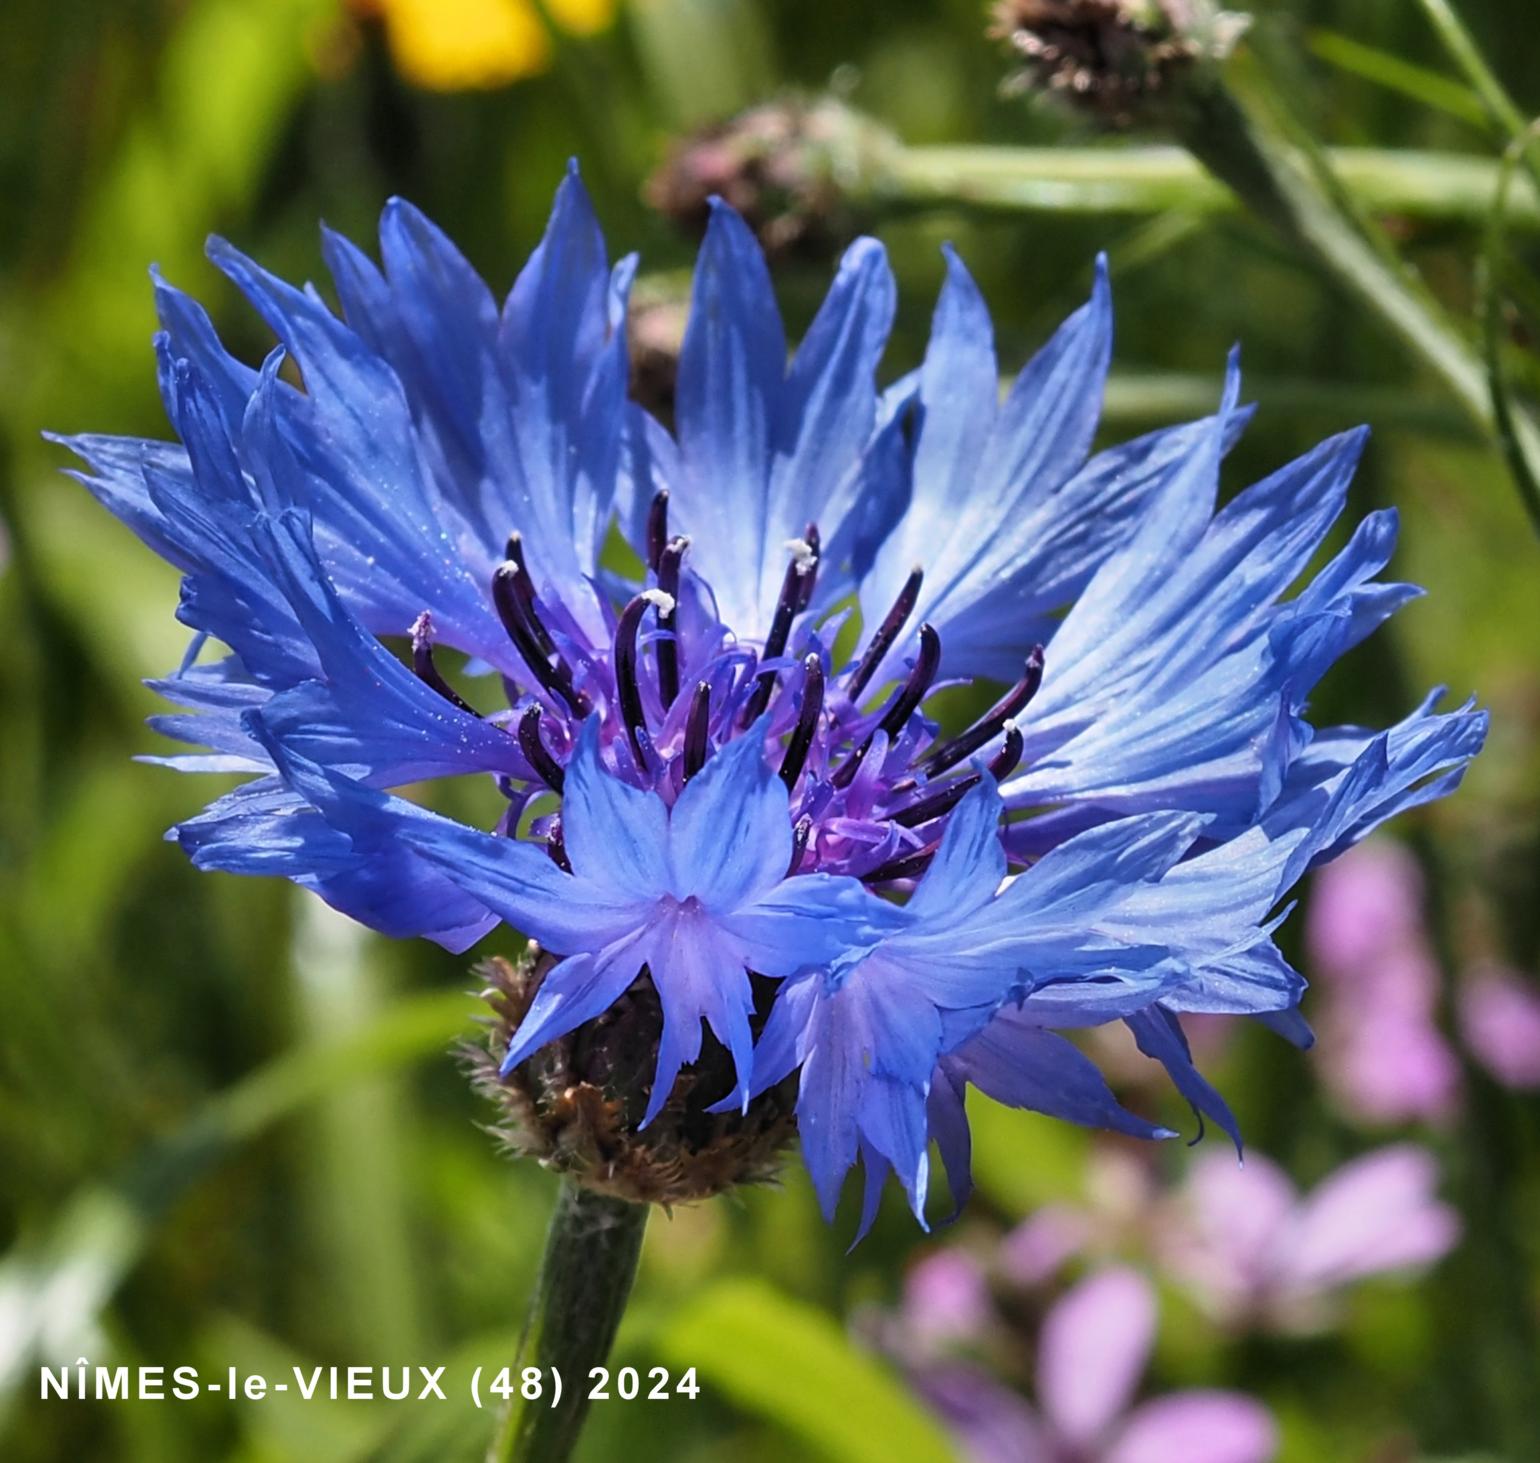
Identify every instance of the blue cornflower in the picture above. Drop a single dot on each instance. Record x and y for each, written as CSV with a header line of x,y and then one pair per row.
x,y
708,816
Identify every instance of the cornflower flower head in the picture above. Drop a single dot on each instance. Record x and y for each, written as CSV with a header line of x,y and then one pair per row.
x,y
765,883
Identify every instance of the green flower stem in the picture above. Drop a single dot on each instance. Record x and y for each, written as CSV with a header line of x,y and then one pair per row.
x,y
1437,187
590,1259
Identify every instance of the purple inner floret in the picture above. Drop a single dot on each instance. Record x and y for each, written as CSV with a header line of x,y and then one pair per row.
x,y
870,790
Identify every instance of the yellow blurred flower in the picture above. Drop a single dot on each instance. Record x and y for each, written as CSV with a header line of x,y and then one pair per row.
x,y
455,45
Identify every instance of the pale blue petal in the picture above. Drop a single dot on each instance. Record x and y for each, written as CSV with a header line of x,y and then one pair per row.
x,y
616,834
729,836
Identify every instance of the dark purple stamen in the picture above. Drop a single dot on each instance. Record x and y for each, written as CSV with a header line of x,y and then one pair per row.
x,y
427,672
1005,761
536,753
800,834
557,681
807,722
794,597
904,701
810,577
940,803
887,632
657,529
989,726
669,560
524,587
556,846
909,866
627,685
915,689
696,727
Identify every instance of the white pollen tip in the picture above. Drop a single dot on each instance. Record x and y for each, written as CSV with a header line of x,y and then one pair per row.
x,y
803,553
661,599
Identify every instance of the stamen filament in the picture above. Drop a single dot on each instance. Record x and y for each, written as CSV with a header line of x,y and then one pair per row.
x,y
909,866
794,597
426,671
940,803
556,846
807,721
510,610
992,723
524,585
887,632
627,686
696,727
536,753
904,701
810,573
657,529
669,560
800,834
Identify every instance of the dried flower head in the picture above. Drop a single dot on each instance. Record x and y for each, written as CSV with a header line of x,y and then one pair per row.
x,y
1111,57
784,167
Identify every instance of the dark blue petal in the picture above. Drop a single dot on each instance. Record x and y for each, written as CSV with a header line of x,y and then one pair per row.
x,y
947,1118
266,828
812,920
578,989
1160,1036
970,864
517,881
370,716
345,449
699,975
1019,1064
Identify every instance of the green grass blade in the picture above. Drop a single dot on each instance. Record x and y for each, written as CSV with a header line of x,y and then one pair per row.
x,y
1405,77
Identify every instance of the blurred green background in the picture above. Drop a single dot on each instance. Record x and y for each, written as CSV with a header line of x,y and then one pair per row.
x,y
231,1131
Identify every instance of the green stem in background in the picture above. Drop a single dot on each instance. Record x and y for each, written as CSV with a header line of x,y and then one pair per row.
x,y
585,1279
1465,54
1295,189
1438,187
1517,451
1278,184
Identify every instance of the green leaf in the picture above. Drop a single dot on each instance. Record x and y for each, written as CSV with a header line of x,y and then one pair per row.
x,y
791,1363
1394,74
